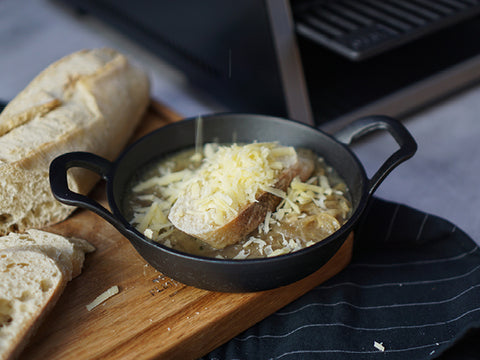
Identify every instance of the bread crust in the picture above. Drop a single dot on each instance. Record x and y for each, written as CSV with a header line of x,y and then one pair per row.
x,y
91,100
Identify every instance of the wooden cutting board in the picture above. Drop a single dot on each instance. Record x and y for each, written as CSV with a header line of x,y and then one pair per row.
x,y
152,316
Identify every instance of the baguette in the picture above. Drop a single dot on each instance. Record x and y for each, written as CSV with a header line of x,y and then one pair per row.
x,y
91,101
34,270
202,223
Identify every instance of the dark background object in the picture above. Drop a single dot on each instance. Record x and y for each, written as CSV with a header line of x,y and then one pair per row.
x,y
294,58
361,29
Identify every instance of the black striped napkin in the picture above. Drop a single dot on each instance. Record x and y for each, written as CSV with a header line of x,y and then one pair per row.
x,y
412,291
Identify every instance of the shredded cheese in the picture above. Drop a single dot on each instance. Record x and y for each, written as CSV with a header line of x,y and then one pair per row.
x,y
219,181
266,228
278,252
148,233
243,254
314,190
379,346
229,178
103,297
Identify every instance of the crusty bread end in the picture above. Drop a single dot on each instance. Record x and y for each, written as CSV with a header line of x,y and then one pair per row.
x,y
92,101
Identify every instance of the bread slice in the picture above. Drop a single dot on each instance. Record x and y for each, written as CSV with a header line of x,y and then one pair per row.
x,y
91,101
34,269
68,253
201,223
30,284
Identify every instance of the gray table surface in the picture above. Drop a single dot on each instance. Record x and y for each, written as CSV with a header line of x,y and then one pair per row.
x,y
441,179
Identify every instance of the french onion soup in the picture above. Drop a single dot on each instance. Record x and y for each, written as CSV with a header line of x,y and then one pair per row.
x,y
238,201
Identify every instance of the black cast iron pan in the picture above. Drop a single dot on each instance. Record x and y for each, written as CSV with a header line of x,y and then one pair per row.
x,y
234,275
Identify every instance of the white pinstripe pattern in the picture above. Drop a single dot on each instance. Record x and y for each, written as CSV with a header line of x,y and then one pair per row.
x,y
392,221
427,303
436,344
356,328
419,262
420,230
405,283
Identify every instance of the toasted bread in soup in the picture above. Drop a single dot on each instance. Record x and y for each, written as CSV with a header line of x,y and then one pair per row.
x,y
202,225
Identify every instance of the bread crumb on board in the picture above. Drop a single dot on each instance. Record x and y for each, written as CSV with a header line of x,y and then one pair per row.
x,y
103,297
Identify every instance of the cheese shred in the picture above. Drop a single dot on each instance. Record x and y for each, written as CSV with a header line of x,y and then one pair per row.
x,y
103,297
379,346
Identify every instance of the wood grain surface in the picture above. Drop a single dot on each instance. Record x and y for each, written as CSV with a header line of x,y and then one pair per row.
x,y
152,316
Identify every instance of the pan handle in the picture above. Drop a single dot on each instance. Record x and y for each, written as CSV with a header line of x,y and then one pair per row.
x,y
59,184
368,124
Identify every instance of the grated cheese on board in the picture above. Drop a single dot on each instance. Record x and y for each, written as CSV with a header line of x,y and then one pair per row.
x,y
103,297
